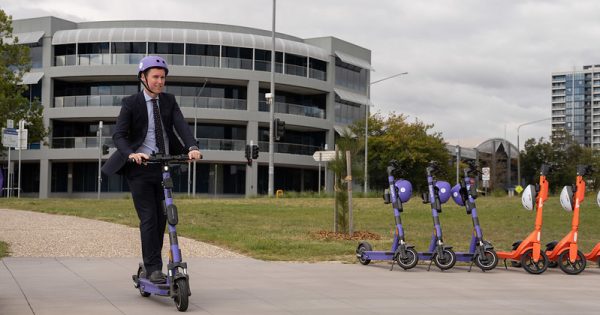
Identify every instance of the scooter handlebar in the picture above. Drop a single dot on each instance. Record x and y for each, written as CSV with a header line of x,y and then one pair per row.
x,y
156,159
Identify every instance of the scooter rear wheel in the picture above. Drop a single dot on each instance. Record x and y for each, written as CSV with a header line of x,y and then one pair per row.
x,y
571,268
181,294
447,260
140,275
363,247
489,262
531,266
411,260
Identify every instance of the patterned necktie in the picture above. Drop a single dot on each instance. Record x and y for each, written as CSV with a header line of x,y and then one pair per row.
x,y
158,130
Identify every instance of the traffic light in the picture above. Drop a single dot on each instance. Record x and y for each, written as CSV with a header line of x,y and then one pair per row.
x,y
105,149
279,126
248,154
255,151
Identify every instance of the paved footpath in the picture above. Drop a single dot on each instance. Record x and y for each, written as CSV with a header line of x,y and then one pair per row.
x,y
233,284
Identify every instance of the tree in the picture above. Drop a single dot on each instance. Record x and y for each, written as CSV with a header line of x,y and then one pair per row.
x,y
535,153
413,145
14,63
564,155
338,166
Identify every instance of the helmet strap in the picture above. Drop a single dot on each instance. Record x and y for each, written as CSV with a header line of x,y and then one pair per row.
x,y
144,83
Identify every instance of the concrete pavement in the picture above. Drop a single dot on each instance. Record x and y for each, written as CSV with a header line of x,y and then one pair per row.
x,y
247,286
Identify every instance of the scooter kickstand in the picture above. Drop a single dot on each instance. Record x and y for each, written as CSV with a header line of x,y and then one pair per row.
x,y
429,267
505,265
471,266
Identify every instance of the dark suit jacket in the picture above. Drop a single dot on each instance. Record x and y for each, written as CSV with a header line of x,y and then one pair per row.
x,y
132,126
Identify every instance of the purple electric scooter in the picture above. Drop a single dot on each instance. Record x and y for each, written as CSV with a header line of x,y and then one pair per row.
x,y
439,192
402,253
177,285
481,252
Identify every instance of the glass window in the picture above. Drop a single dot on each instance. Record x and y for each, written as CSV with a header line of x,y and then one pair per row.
x,y
59,178
93,48
202,50
165,48
35,53
63,50
237,52
262,60
128,48
350,76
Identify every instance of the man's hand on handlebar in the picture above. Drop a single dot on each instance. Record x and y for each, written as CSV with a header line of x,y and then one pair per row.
x,y
138,158
194,155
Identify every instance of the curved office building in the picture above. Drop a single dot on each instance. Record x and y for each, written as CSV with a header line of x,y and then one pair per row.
x,y
219,75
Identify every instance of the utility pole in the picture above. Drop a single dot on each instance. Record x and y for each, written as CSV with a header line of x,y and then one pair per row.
x,y
99,157
271,102
366,186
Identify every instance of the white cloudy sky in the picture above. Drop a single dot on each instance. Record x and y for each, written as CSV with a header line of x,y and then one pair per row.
x,y
477,68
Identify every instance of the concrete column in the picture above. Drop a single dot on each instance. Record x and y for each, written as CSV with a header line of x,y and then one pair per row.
x,y
45,176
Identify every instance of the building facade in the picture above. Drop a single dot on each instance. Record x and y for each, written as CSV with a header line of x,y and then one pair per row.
x,y
576,105
219,75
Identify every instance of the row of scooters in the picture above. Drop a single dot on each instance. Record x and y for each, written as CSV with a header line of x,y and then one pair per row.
x,y
526,253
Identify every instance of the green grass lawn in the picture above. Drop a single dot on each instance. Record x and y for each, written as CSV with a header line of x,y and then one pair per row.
x,y
286,229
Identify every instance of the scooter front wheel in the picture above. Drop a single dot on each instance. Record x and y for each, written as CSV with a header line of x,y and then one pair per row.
x,y
571,268
360,252
489,260
531,266
182,294
140,275
411,260
446,261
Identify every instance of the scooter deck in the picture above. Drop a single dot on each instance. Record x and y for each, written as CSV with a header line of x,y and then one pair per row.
x,y
379,255
150,287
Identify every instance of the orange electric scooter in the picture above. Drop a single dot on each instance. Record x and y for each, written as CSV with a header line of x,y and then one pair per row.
x,y
565,252
528,251
594,255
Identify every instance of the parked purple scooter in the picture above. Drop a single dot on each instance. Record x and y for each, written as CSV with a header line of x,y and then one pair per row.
x,y
481,252
438,193
402,253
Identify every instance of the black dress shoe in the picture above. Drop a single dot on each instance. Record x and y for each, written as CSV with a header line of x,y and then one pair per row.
x,y
157,277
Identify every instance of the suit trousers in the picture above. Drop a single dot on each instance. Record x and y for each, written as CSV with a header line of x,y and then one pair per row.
x,y
145,183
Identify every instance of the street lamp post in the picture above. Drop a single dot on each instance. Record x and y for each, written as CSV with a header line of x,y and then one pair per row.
x,y
271,101
193,168
519,147
366,187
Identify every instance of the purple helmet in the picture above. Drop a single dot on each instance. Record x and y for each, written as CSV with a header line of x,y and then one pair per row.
x,y
443,190
404,189
456,195
152,62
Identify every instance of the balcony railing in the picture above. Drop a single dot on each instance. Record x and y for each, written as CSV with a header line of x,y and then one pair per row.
x,y
236,63
318,74
127,59
211,144
79,142
94,59
260,65
211,102
207,144
289,148
293,109
183,101
88,100
190,60
295,70
202,61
